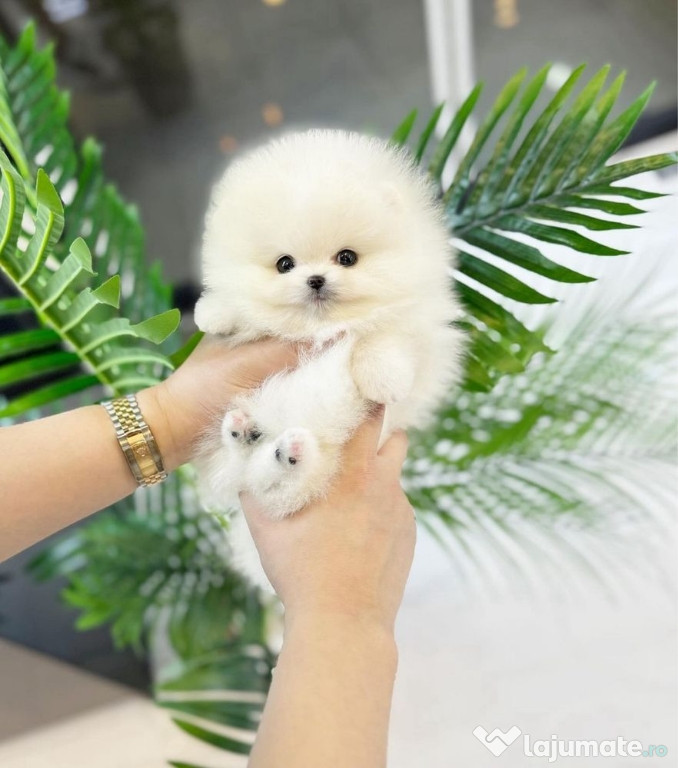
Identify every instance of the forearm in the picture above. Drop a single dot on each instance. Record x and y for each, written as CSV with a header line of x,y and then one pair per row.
x,y
57,470
330,699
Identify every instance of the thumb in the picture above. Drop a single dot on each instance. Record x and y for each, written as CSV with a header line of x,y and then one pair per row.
x,y
361,448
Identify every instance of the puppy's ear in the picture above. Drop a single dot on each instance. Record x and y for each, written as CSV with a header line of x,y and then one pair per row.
x,y
212,315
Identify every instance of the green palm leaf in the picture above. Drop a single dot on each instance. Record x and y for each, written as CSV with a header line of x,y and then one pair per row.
x,y
167,561
536,189
536,463
156,563
35,134
219,697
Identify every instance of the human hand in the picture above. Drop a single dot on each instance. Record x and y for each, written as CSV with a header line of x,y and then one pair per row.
x,y
193,397
348,555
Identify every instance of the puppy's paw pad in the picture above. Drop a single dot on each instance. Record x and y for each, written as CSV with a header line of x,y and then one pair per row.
x,y
238,425
293,446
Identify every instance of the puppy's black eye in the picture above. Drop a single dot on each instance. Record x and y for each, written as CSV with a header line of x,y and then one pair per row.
x,y
346,257
284,264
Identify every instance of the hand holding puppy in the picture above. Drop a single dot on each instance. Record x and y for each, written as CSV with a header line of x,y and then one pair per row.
x,y
348,555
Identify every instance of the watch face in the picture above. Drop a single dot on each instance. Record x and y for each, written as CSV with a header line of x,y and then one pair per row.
x,y
142,454
141,451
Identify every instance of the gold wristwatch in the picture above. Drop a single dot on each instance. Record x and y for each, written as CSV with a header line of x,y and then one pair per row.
x,y
136,440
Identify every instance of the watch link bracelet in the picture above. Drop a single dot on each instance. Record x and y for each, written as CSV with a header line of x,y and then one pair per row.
x,y
136,440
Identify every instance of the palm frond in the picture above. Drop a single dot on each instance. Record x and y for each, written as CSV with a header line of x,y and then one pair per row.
x,y
549,456
80,335
508,196
159,564
181,764
166,559
220,696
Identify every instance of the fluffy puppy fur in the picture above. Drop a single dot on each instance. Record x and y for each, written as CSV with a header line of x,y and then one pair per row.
x,y
337,239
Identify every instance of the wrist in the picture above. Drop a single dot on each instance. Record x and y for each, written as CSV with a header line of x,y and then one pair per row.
x,y
156,416
343,630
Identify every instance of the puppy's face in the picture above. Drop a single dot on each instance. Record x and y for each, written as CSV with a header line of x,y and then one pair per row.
x,y
332,258
303,250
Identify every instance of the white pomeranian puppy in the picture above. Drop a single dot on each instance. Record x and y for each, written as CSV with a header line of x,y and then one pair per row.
x,y
336,239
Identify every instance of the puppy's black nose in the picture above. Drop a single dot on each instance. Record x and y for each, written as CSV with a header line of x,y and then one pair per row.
x,y
316,282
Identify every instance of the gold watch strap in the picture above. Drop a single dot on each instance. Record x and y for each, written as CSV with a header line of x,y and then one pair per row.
x,y
136,440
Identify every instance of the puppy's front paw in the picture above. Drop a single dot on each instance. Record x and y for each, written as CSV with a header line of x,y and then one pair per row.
x,y
238,426
294,447
211,315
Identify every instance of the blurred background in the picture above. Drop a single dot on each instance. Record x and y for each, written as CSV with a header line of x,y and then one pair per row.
x,y
174,90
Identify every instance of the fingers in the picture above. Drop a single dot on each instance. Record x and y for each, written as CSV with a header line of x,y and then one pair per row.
x,y
395,448
277,354
362,447
246,366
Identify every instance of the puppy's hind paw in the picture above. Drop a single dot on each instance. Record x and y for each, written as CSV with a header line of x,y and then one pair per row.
x,y
238,426
294,447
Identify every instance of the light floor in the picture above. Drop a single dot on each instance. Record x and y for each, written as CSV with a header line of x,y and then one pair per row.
x,y
585,670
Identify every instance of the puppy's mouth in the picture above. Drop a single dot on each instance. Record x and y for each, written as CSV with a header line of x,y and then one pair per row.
x,y
321,299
